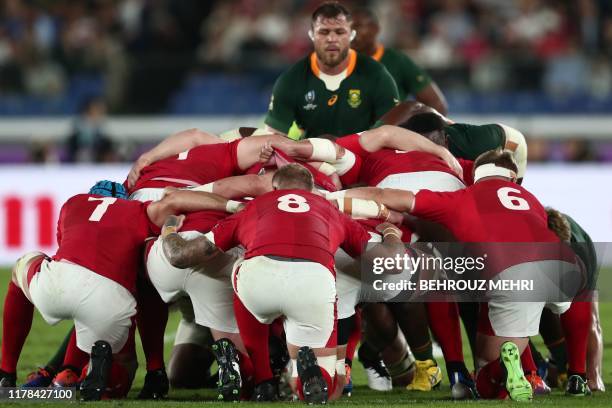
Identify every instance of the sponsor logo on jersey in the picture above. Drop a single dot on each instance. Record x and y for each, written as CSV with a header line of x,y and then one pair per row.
x,y
310,97
331,101
354,98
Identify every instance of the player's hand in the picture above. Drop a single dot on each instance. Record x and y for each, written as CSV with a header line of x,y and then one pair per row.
x,y
170,190
134,173
452,162
388,229
266,153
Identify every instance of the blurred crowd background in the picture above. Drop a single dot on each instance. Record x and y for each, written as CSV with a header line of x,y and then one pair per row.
x,y
194,57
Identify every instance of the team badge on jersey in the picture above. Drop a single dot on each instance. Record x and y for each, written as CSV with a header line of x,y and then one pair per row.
x,y
310,97
354,98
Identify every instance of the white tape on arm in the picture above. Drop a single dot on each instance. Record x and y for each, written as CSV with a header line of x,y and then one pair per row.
x,y
232,206
359,208
207,188
335,195
327,169
345,163
322,150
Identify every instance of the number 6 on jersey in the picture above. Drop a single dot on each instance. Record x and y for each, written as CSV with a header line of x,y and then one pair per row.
x,y
512,202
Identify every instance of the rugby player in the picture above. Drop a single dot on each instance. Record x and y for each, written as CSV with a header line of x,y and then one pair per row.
x,y
411,80
493,209
581,320
276,262
464,140
334,90
411,171
96,264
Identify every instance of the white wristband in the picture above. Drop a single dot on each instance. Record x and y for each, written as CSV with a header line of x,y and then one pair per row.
x,y
322,150
232,206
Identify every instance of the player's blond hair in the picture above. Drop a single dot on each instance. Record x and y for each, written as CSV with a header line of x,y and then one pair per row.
x,y
558,224
293,176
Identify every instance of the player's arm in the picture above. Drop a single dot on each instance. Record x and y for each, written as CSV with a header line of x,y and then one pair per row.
x,y
174,144
397,138
398,200
281,113
182,253
180,201
432,96
407,109
386,96
248,185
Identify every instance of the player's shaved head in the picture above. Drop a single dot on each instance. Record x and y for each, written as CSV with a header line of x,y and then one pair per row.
x,y
499,157
293,176
558,224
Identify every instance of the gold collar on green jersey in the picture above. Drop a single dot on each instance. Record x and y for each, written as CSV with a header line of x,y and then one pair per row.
x,y
378,54
314,65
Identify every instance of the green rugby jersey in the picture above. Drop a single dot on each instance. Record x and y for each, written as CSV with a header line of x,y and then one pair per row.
x,y
470,141
300,95
582,244
409,77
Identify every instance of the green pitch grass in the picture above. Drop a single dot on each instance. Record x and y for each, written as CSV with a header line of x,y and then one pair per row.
x,y
44,340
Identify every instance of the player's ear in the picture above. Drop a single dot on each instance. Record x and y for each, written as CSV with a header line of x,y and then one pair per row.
x,y
353,35
311,35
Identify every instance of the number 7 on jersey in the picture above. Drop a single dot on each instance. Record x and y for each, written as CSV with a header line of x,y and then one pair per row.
x,y
101,208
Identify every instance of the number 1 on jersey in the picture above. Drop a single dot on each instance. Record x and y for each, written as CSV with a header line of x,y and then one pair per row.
x,y
101,208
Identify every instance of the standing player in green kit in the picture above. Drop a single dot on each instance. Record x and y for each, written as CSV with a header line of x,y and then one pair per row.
x,y
409,77
334,90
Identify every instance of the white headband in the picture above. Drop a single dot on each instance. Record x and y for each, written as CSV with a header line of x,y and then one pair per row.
x,y
491,170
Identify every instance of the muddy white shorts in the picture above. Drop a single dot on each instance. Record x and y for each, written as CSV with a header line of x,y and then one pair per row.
x,y
303,292
101,308
210,289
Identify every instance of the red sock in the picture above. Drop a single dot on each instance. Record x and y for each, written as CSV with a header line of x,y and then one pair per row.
x,y
355,336
489,379
255,338
75,357
329,380
529,365
16,324
444,323
118,384
151,320
576,322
